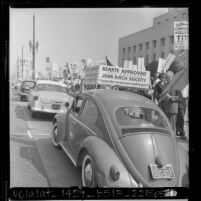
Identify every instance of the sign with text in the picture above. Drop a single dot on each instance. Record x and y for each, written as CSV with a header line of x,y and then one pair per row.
x,y
161,63
124,77
181,35
181,58
170,58
141,63
115,75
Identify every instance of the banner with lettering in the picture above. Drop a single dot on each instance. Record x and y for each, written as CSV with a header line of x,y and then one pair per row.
x,y
123,76
115,75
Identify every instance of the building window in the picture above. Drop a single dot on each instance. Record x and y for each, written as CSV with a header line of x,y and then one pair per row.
x,y
147,59
147,45
134,48
134,60
162,41
154,57
129,50
140,47
171,39
154,43
162,54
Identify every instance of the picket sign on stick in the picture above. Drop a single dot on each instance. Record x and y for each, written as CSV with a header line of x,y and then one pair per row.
x,y
161,63
178,82
181,58
181,35
115,75
141,63
170,58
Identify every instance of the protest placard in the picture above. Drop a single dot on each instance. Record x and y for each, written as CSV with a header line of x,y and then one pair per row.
x,y
115,75
141,63
126,63
161,63
181,58
170,58
181,35
124,77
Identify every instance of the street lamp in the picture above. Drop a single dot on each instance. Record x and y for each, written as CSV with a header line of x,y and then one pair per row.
x,y
33,45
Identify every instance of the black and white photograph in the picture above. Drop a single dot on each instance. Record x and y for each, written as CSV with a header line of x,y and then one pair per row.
x,y
98,97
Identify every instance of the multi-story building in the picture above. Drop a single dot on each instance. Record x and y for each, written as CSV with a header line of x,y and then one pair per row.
x,y
154,42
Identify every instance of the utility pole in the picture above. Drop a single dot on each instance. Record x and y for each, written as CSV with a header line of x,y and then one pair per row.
x,y
33,47
22,64
18,68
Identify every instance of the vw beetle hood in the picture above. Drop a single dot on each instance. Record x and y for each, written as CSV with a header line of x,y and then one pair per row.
x,y
53,96
143,149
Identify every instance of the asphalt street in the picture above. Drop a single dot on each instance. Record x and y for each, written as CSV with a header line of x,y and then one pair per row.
x,y
34,162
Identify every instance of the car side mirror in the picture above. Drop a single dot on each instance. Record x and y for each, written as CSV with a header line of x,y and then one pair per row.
x,y
66,104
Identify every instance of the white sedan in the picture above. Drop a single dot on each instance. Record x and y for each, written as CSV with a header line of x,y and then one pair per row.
x,y
48,97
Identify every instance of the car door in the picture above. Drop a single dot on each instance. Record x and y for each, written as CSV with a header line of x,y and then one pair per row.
x,y
73,124
93,121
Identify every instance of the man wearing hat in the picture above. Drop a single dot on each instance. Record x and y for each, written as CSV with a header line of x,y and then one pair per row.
x,y
159,87
170,104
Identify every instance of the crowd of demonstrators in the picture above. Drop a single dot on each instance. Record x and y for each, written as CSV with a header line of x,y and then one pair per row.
x,y
173,105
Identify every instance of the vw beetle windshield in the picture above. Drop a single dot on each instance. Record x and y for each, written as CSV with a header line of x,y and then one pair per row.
x,y
140,117
51,87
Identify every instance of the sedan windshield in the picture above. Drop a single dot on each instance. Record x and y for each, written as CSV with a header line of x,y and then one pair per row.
x,y
140,117
29,84
51,87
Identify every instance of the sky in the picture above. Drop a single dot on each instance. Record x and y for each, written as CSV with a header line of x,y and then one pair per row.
x,y
74,34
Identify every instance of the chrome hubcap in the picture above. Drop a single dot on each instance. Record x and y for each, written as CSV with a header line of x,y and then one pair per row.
x,y
88,174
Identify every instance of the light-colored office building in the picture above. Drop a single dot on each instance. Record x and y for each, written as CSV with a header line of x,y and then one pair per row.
x,y
153,42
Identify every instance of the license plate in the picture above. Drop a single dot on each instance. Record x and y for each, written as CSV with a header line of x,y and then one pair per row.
x,y
166,172
55,106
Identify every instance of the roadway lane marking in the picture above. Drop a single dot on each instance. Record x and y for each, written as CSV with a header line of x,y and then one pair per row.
x,y
29,134
33,134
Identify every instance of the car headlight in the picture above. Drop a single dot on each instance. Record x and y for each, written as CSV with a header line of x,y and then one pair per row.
x,y
35,98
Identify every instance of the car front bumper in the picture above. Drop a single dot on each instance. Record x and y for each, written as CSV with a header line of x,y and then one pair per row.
x,y
48,110
24,94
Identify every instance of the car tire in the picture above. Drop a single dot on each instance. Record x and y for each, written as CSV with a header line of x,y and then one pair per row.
x,y
54,135
21,98
33,114
88,172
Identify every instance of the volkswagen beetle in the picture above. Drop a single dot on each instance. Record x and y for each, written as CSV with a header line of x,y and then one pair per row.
x,y
48,97
120,139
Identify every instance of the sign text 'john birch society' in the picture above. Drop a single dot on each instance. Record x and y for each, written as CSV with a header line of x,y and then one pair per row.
x,y
114,75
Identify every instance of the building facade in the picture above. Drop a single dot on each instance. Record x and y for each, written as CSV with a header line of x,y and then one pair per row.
x,y
154,42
